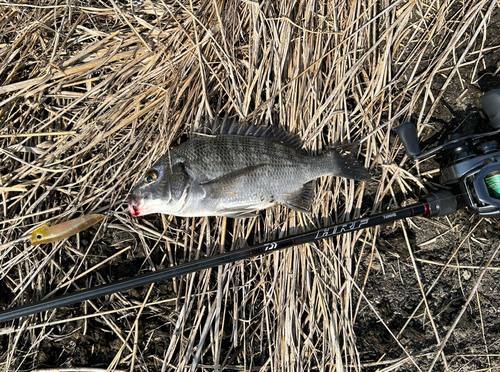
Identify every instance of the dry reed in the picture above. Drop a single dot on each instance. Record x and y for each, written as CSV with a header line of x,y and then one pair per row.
x,y
93,92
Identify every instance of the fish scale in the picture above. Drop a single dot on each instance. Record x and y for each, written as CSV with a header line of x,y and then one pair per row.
x,y
234,175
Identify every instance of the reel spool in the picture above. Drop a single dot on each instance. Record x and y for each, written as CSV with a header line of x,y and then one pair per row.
x,y
471,163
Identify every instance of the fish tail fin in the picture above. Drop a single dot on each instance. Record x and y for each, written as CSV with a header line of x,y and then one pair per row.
x,y
345,165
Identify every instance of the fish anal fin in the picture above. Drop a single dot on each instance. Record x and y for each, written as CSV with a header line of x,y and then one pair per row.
x,y
302,199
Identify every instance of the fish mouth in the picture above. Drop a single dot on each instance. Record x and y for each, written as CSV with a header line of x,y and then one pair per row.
x,y
135,204
134,210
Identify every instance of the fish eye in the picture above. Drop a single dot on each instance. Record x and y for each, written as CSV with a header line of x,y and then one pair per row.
x,y
38,236
151,176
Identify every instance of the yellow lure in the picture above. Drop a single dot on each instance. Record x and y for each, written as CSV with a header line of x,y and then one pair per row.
x,y
45,234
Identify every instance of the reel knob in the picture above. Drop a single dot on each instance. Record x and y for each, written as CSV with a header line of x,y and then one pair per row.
x,y
491,105
407,133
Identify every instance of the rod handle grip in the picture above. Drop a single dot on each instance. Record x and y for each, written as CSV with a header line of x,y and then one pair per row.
x,y
407,133
491,105
443,203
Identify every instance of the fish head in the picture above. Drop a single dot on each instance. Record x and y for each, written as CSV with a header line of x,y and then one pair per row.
x,y
161,190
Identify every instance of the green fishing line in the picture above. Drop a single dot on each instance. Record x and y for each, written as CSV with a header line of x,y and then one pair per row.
x,y
493,185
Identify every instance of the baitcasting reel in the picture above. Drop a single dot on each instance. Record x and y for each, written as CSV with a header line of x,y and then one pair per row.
x,y
471,163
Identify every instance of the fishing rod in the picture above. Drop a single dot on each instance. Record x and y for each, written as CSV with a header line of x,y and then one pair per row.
x,y
471,171
441,203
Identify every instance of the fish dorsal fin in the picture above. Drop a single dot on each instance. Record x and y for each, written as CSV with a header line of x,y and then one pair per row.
x,y
226,126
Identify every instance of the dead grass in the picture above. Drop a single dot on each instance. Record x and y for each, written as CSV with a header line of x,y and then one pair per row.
x,y
93,92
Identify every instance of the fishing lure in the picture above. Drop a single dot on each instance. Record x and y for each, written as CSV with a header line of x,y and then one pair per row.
x,y
45,234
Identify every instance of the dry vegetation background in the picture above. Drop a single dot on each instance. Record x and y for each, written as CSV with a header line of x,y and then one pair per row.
x,y
93,91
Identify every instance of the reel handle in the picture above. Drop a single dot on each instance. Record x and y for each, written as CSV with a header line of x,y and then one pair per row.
x,y
407,133
491,105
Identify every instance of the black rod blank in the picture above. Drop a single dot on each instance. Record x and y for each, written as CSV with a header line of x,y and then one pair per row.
x,y
214,261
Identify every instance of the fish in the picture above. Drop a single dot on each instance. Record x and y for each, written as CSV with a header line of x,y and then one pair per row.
x,y
45,234
234,169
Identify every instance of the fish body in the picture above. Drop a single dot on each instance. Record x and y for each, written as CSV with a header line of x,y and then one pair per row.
x,y
235,171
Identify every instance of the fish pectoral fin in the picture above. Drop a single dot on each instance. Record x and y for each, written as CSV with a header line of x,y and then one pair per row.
x,y
239,212
302,199
228,183
229,178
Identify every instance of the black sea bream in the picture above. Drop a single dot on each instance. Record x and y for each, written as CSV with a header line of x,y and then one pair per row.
x,y
234,169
